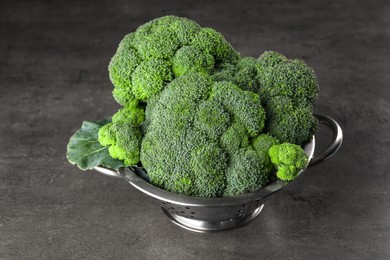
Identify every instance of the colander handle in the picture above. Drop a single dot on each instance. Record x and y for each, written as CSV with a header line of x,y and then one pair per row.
x,y
108,172
336,142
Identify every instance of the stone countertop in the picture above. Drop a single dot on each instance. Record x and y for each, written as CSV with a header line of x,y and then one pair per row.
x,y
53,75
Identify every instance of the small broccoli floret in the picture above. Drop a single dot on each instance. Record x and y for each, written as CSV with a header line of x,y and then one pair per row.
x,y
122,65
246,77
157,39
245,173
243,74
212,118
288,159
212,42
132,113
191,59
224,72
235,137
246,105
288,122
123,135
124,141
296,80
209,163
288,90
150,77
266,64
261,144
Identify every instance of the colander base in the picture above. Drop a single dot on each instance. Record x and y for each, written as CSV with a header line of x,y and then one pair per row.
x,y
204,226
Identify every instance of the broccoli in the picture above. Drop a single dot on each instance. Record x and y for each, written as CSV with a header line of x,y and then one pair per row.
x,y
192,146
262,144
159,51
244,74
123,140
288,159
123,135
288,90
202,120
288,122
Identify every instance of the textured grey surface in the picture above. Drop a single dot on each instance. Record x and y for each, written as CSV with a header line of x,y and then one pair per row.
x,y
53,60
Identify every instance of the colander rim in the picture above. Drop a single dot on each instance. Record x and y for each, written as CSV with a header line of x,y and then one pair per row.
x,y
131,174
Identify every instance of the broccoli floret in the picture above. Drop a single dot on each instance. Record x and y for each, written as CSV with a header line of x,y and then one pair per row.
x,y
209,163
235,137
122,65
288,90
210,41
243,74
261,144
123,135
266,64
279,76
246,76
161,50
245,172
191,59
296,80
187,148
288,159
245,104
288,122
124,141
132,113
212,118
150,77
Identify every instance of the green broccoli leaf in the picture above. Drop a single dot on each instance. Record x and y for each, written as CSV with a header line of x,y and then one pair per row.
x,y
86,152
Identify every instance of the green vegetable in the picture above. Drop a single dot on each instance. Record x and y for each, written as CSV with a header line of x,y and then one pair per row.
x,y
85,151
288,90
159,51
123,135
202,120
288,159
194,138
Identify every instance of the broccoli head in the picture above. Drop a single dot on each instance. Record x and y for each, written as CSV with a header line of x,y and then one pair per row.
x,y
195,140
288,90
160,50
288,159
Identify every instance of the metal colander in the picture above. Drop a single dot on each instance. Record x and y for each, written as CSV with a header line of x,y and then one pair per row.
x,y
215,214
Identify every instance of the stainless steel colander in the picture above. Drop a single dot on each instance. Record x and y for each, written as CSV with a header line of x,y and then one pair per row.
x,y
216,214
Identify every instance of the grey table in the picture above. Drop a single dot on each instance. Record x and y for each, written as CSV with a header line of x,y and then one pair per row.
x,y
53,75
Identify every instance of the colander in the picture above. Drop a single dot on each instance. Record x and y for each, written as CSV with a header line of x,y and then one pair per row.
x,y
216,214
